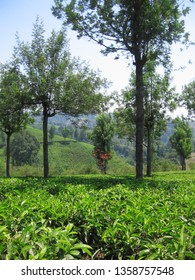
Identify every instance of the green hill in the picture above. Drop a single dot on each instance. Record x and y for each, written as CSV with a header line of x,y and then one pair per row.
x,y
66,156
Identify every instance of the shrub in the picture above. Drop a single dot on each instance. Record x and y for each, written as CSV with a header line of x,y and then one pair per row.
x,y
24,149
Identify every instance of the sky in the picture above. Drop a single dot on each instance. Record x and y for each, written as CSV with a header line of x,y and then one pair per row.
x,y
20,15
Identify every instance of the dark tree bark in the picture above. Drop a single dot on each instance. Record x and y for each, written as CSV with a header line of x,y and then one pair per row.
x,y
149,152
183,163
139,120
45,143
8,155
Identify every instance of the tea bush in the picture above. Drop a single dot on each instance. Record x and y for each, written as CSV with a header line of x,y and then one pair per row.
x,y
98,217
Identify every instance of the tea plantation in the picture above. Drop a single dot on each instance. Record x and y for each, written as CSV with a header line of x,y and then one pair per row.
x,y
98,217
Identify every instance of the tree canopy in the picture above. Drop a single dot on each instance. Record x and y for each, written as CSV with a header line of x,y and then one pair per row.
x,y
130,26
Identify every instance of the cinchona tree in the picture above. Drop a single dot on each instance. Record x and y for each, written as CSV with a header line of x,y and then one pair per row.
x,y
133,27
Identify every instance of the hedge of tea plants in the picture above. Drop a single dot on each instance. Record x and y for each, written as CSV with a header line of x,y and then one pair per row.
x,y
98,217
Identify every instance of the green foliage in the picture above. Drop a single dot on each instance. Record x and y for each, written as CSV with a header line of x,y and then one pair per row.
x,y
13,116
118,217
158,97
12,99
103,132
52,132
45,62
63,156
101,137
142,30
24,149
66,132
164,165
83,90
119,25
56,82
188,97
181,140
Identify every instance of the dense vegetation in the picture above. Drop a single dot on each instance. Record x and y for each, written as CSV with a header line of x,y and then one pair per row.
x,y
42,77
142,31
98,217
63,155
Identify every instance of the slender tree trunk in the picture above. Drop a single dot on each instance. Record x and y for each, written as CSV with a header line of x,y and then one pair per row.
x,y
45,143
183,163
149,153
139,120
8,155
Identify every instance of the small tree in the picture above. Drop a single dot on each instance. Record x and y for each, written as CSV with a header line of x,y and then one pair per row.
x,y
52,131
66,132
181,140
24,149
158,98
45,63
101,136
57,83
12,114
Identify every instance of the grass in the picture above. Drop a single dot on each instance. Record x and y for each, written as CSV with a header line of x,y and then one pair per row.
x,y
98,217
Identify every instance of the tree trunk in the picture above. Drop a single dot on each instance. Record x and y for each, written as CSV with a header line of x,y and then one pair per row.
x,y
149,153
45,143
139,120
183,163
8,155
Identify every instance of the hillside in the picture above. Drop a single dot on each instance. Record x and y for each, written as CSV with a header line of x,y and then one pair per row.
x,y
66,156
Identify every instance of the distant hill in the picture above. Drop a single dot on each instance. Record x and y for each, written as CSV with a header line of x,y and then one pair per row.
x,y
66,156
62,120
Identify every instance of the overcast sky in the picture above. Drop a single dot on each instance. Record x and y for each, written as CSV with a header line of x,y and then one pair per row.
x,y
19,16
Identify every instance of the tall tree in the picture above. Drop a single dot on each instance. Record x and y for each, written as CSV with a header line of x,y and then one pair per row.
x,y
12,98
56,82
137,28
158,98
181,140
